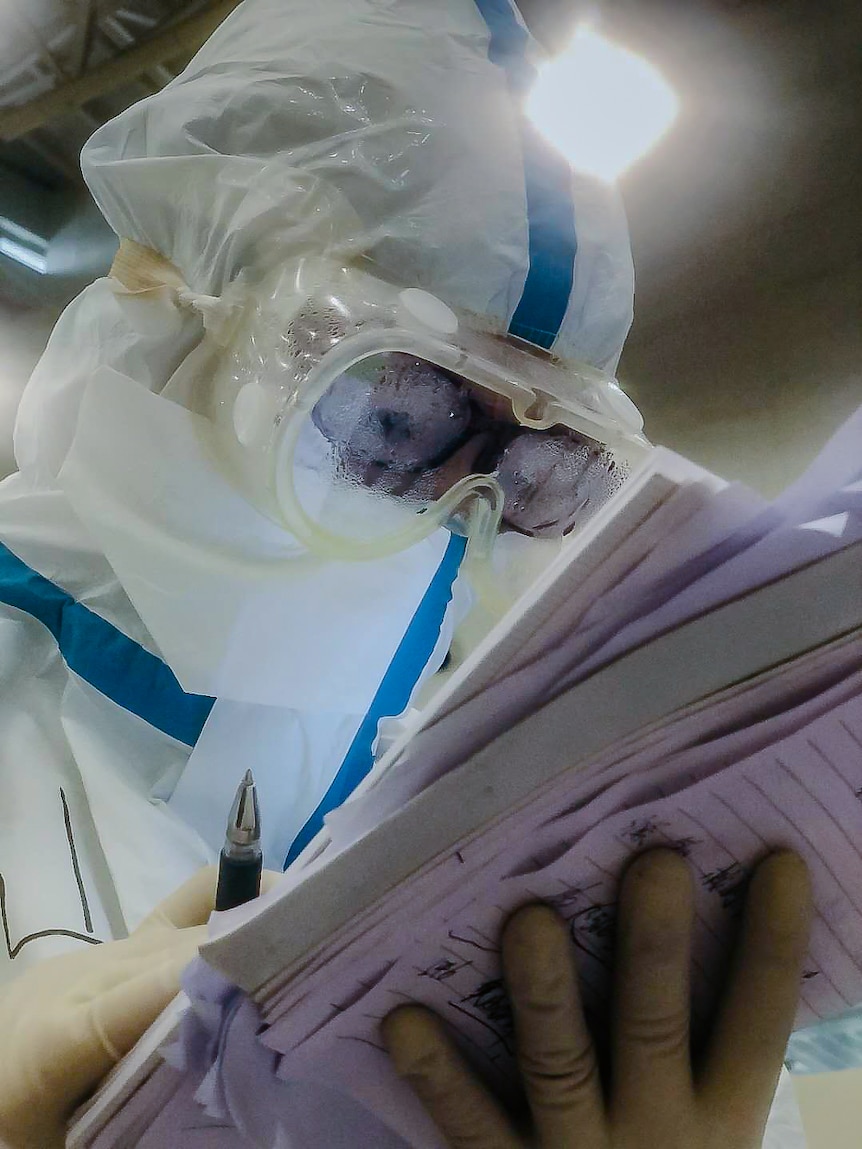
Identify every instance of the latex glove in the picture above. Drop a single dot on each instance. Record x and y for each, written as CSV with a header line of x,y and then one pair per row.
x,y
653,1098
68,1020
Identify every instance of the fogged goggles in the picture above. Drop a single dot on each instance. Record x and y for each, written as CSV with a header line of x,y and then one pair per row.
x,y
363,417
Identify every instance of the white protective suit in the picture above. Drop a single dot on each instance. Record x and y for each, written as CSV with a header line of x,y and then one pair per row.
x,y
138,586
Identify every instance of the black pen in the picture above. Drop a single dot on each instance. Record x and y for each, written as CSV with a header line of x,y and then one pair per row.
x,y
241,860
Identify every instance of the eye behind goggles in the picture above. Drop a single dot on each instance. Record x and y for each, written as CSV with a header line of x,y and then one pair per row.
x,y
362,417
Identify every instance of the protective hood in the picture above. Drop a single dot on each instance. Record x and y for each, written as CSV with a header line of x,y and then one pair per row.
x,y
391,130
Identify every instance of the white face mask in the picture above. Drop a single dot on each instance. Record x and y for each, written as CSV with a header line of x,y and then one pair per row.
x,y
239,609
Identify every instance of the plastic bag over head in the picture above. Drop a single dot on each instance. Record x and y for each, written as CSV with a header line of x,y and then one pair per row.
x,y
391,130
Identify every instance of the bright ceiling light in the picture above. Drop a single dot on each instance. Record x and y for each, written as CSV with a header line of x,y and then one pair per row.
x,y
23,255
23,246
602,106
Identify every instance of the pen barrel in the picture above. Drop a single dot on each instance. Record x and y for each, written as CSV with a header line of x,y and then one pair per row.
x,y
238,881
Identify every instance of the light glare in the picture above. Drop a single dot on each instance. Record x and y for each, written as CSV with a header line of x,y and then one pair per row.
x,y
601,105
23,255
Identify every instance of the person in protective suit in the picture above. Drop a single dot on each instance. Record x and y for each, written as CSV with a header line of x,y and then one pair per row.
x,y
163,618
161,623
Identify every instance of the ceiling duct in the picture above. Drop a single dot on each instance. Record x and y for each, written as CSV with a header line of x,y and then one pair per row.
x,y
67,63
67,66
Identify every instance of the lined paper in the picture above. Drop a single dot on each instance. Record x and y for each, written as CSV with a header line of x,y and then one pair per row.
x,y
436,942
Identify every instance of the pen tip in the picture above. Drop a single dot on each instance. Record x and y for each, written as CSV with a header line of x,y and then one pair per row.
x,y
244,820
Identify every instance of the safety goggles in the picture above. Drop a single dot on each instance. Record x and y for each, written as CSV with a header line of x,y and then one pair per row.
x,y
363,417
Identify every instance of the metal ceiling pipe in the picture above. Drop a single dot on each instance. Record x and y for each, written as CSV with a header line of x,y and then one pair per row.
x,y
181,39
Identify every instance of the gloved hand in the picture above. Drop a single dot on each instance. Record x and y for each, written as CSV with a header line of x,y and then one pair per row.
x,y
68,1020
653,1097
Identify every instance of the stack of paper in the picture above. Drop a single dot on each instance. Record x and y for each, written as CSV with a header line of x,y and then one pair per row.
x,y
688,673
